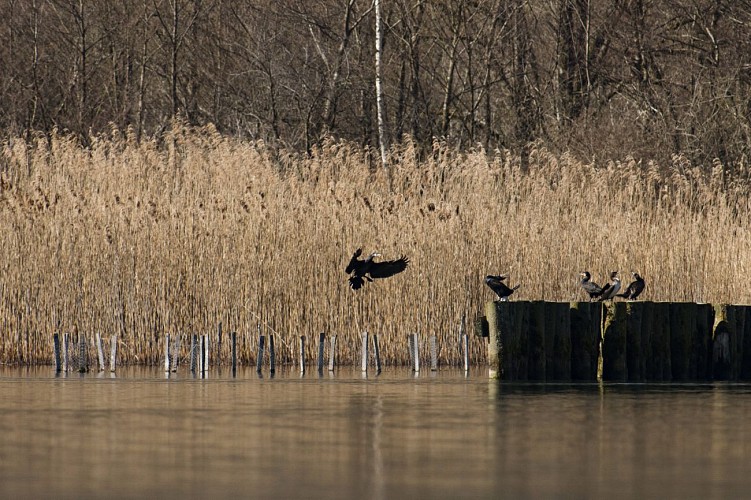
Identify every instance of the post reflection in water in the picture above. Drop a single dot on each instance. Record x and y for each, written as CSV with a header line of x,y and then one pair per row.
x,y
385,436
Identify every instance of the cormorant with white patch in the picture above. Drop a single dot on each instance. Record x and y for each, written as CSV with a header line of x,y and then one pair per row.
x,y
612,288
593,289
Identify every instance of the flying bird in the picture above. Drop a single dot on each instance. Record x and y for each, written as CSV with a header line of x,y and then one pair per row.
x,y
610,289
499,287
367,269
634,289
593,289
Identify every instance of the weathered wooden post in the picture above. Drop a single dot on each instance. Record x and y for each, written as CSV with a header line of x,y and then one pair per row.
x,y
493,316
465,355
83,358
745,373
364,359
56,346
166,353
332,353
411,347
66,352
540,343
585,320
206,354
302,354
272,355
508,323
728,340
193,353
99,351
113,353
233,336
259,358
702,357
557,341
635,366
658,354
433,354
614,366
321,340
682,332
416,345
376,353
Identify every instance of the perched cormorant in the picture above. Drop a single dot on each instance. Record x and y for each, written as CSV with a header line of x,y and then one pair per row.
x,y
361,270
634,289
499,287
593,289
609,290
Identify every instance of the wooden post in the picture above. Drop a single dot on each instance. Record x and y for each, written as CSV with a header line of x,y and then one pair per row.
x,y
682,331
234,353
540,338
83,361
99,351
259,359
166,353
193,353
585,321
465,350
175,353
376,353
56,345
558,342
302,354
635,365
321,340
364,359
614,367
113,353
332,353
272,355
417,352
433,354
206,354
411,347
66,352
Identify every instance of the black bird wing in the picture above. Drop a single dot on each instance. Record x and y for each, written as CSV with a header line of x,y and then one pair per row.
x,y
388,267
353,261
638,288
592,288
500,288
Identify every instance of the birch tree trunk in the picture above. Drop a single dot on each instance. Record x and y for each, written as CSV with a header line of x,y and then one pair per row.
x,y
379,88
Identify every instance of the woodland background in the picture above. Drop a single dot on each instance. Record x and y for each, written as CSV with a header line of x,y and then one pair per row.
x,y
595,79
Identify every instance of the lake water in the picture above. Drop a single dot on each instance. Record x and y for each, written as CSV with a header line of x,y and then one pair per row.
x,y
439,435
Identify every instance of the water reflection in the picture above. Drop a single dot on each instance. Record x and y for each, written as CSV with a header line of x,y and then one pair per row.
x,y
440,435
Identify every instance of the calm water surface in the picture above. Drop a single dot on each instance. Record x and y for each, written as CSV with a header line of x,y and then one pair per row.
x,y
440,435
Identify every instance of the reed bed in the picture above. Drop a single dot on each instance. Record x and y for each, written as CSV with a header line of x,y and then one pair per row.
x,y
141,239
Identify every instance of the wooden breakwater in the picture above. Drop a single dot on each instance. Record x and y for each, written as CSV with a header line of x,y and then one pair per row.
x,y
620,341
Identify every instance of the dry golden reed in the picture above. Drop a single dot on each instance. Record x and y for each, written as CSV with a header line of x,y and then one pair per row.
x,y
144,239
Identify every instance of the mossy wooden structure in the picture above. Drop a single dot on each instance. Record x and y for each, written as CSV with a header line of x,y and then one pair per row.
x,y
617,341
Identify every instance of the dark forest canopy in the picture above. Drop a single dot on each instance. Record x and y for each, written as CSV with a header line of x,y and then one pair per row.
x,y
606,78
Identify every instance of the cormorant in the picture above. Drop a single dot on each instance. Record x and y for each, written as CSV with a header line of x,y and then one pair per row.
x,y
609,290
634,288
593,289
361,270
499,287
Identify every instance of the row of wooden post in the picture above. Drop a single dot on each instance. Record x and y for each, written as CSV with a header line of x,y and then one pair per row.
x,y
63,358
639,341
200,348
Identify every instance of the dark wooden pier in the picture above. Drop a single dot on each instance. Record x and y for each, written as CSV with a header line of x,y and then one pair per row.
x,y
620,341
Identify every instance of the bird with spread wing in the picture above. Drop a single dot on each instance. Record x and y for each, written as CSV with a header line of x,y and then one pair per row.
x,y
368,269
